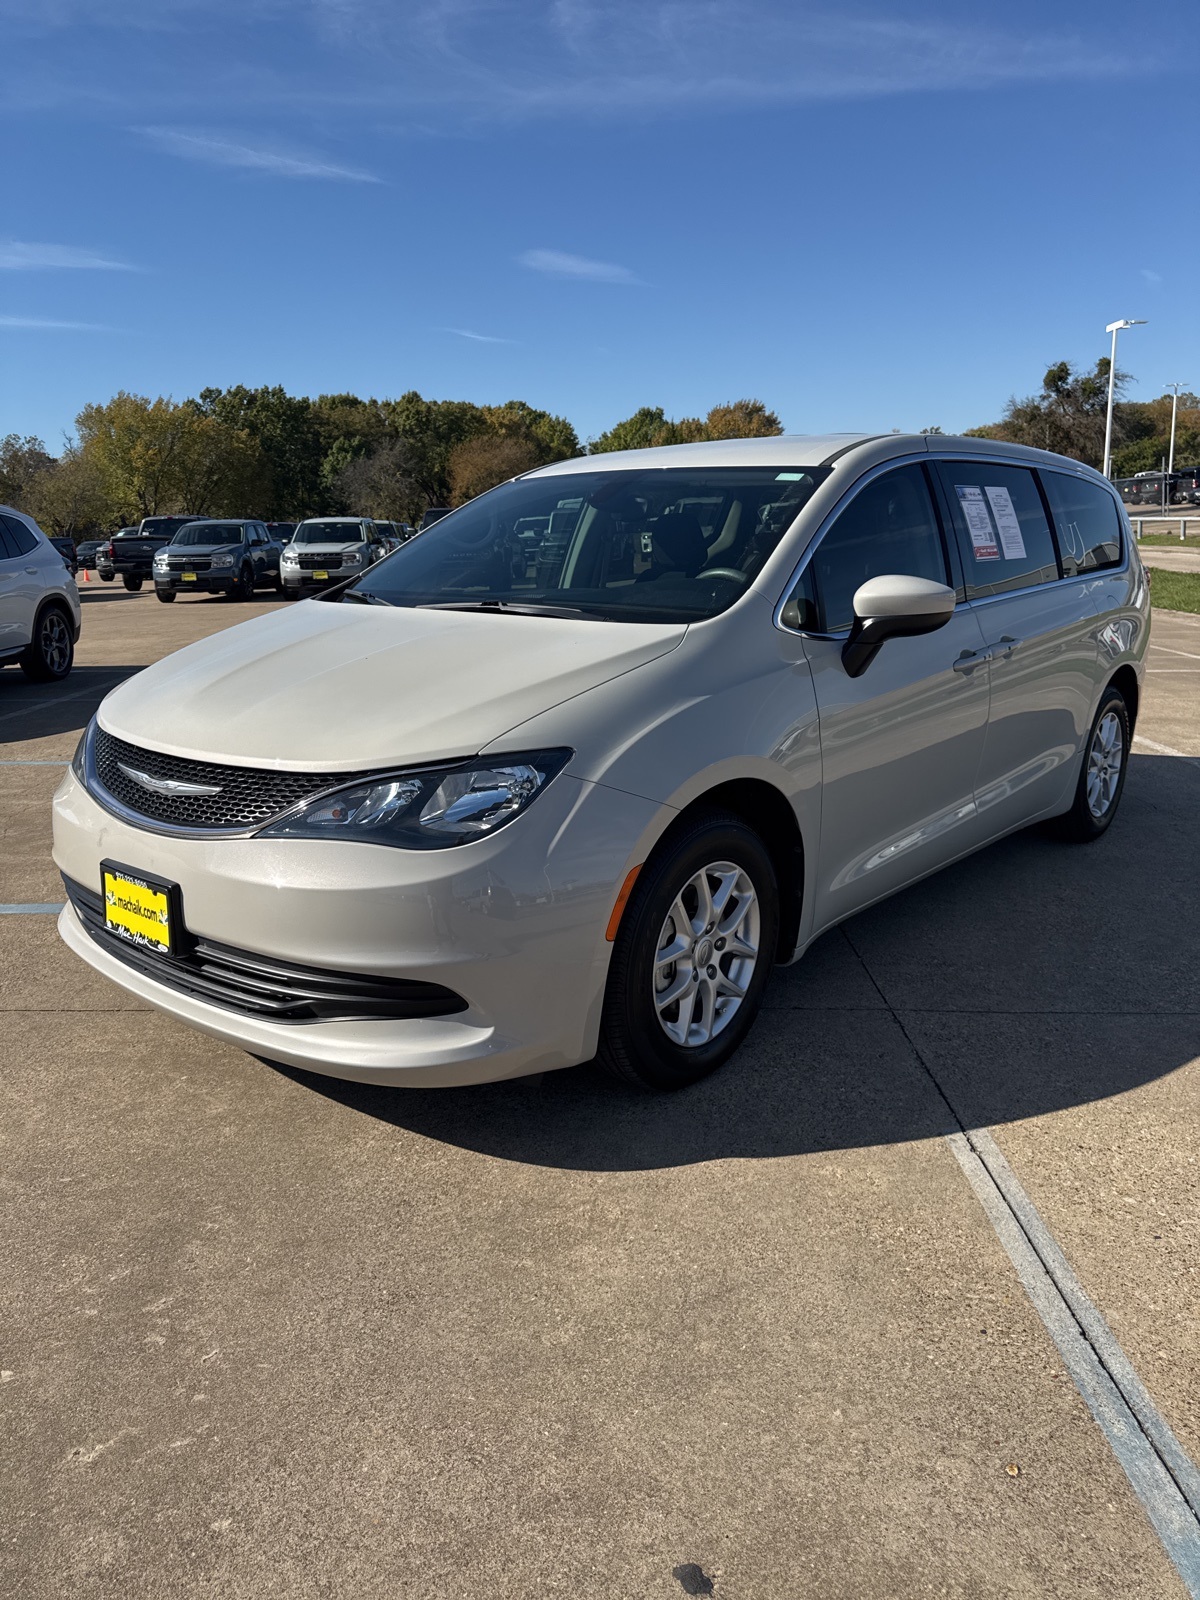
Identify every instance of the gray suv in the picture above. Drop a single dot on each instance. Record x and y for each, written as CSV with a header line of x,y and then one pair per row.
x,y
226,556
324,550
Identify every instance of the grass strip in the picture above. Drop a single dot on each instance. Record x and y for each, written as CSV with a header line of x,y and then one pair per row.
x,y
1174,591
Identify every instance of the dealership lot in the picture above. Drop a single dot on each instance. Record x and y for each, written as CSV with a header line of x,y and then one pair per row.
x,y
277,1336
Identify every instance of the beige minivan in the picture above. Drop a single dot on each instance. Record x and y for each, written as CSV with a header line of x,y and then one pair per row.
x,y
566,775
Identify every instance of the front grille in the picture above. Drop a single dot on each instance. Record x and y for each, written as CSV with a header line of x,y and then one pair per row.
x,y
249,795
328,563
189,564
261,986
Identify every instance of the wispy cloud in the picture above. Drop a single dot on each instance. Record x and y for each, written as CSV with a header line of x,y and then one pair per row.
x,y
47,323
558,264
216,151
1154,279
18,257
479,338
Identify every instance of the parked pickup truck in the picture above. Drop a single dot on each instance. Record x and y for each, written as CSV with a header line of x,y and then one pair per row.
x,y
228,555
133,555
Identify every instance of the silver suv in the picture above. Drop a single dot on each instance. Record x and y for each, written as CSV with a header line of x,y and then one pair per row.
x,y
39,603
324,550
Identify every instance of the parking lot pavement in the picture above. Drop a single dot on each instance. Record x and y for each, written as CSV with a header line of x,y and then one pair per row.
x,y
273,1335
1171,697
1178,559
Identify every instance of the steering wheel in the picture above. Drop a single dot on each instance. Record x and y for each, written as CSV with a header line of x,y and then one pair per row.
x,y
731,573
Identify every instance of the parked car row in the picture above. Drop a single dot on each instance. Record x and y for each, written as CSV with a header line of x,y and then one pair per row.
x,y
1181,487
237,555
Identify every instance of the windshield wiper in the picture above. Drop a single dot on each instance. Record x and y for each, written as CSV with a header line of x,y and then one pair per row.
x,y
361,597
517,608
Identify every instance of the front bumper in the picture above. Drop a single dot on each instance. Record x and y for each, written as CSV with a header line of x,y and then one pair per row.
x,y
514,924
204,583
302,581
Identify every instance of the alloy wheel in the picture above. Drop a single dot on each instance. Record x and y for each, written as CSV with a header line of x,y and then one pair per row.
x,y
707,951
55,642
1106,758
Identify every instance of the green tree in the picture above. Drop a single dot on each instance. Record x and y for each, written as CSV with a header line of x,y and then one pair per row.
x,y
290,444
740,419
1067,415
22,462
69,498
380,485
554,437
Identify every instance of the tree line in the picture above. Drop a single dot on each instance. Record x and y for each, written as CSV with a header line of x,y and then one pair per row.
x,y
1067,415
266,453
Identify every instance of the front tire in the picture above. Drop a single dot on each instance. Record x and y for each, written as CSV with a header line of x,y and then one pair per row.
x,y
243,589
165,595
692,956
50,654
1102,775
132,584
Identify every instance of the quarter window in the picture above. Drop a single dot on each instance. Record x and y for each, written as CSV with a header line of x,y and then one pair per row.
x,y
890,527
20,540
1086,521
1001,526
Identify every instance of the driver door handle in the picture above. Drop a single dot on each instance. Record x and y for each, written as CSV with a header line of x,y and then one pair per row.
x,y
970,659
1003,648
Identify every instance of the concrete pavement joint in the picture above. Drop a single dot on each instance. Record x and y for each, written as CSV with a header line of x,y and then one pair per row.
x,y
1160,1472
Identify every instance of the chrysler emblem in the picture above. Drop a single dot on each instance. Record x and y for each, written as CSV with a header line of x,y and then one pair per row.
x,y
167,785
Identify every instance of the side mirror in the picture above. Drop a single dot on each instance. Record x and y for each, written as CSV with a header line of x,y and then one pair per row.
x,y
893,607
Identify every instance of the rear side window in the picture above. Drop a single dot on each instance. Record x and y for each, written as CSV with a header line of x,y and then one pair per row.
x,y
20,540
1001,527
889,527
1086,521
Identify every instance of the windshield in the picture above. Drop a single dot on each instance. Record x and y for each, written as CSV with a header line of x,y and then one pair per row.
x,y
666,545
328,533
208,533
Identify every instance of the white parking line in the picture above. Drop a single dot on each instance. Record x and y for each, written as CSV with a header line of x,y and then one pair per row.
x,y
1165,749
45,909
1167,650
1161,1473
35,763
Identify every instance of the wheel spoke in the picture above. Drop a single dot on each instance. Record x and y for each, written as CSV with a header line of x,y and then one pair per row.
x,y
675,951
678,987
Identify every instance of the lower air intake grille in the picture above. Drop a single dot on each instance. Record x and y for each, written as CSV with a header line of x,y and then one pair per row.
x,y
246,796
261,986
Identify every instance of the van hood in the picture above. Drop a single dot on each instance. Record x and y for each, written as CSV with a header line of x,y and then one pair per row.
x,y
327,687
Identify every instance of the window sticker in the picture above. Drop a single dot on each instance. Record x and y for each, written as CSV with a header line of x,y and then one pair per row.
x,y
979,524
1011,541
789,477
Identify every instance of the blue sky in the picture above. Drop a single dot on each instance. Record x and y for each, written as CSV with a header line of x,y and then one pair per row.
x,y
881,216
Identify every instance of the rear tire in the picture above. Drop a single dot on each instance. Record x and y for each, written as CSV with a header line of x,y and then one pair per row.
x,y
692,956
132,584
1102,774
50,654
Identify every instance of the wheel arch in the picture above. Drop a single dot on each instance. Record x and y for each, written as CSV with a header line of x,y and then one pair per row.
x,y
1125,679
765,809
54,602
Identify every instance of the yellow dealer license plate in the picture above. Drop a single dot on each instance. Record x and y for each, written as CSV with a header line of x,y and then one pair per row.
x,y
320,574
139,908
188,577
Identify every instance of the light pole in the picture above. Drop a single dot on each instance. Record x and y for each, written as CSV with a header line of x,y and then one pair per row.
x,y
1174,388
1114,328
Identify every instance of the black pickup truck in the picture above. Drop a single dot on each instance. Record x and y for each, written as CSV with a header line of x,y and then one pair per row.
x,y
133,554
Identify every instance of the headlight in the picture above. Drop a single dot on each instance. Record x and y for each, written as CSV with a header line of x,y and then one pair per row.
x,y
351,558
222,559
77,760
160,558
427,810
290,557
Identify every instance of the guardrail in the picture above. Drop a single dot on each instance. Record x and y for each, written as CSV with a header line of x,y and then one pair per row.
x,y
1163,523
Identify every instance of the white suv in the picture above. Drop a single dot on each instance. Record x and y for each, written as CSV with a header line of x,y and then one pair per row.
x,y
39,603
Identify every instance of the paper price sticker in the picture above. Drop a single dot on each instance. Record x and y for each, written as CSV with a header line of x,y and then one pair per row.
x,y
979,522
1009,528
